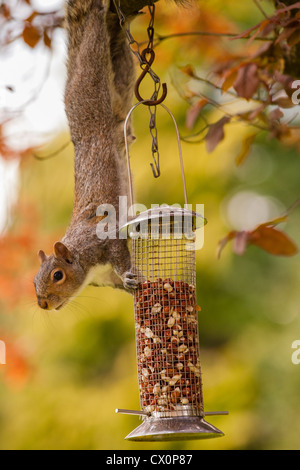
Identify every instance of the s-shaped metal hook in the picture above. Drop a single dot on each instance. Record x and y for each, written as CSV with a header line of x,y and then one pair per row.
x,y
148,63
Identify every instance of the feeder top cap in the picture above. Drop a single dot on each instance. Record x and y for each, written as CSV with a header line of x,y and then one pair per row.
x,y
165,212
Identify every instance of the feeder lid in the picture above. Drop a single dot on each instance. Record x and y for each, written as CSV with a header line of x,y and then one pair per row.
x,y
166,212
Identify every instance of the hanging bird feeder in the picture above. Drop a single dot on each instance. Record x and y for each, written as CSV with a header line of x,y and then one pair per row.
x,y
165,303
166,322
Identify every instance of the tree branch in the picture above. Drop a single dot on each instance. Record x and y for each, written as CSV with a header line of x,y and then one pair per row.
x,y
160,38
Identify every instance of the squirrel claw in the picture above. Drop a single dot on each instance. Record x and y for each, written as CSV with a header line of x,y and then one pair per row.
x,y
130,281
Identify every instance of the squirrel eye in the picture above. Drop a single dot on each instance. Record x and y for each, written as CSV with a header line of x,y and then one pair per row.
x,y
58,276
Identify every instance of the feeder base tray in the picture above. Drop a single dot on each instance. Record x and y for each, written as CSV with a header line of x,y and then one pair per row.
x,y
174,429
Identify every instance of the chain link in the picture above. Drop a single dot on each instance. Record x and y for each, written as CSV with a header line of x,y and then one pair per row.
x,y
135,48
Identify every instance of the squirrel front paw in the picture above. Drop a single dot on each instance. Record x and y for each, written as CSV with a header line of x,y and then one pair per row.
x,y
130,281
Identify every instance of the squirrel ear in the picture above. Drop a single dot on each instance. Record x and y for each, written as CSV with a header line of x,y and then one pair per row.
x,y
62,252
42,256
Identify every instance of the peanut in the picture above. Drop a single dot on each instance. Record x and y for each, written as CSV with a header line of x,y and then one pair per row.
x,y
167,345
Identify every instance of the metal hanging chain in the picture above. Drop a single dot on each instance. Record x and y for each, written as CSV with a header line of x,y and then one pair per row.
x,y
145,64
153,110
134,45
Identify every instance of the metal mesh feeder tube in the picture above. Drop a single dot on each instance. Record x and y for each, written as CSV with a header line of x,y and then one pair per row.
x,y
166,318
166,323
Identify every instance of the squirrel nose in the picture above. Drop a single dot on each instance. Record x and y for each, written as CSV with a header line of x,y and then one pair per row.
x,y
43,304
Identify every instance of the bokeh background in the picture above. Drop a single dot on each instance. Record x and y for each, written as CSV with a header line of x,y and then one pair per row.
x,y
67,371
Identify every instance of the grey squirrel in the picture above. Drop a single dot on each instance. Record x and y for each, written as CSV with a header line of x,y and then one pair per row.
x,y
98,97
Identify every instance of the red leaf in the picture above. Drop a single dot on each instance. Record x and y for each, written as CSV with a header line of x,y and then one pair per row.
x,y
264,29
255,113
247,81
283,102
276,115
263,50
225,240
216,134
193,113
265,236
240,242
286,81
273,241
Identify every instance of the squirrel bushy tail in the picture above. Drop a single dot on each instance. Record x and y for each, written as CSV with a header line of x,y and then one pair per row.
x,y
97,43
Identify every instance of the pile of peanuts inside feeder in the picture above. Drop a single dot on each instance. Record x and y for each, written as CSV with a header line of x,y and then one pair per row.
x,y
168,347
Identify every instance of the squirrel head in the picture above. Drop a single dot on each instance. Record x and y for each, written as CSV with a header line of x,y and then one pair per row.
x,y
59,279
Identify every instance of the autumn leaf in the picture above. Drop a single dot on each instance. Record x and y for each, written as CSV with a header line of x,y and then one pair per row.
x,y
246,147
284,102
263,51
276,115
17,370
240,242
294,38
265,236
265,27
273,241
216,134
287,34
225,240
188,70
230,78
286,81
194,111
247,81
254,114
